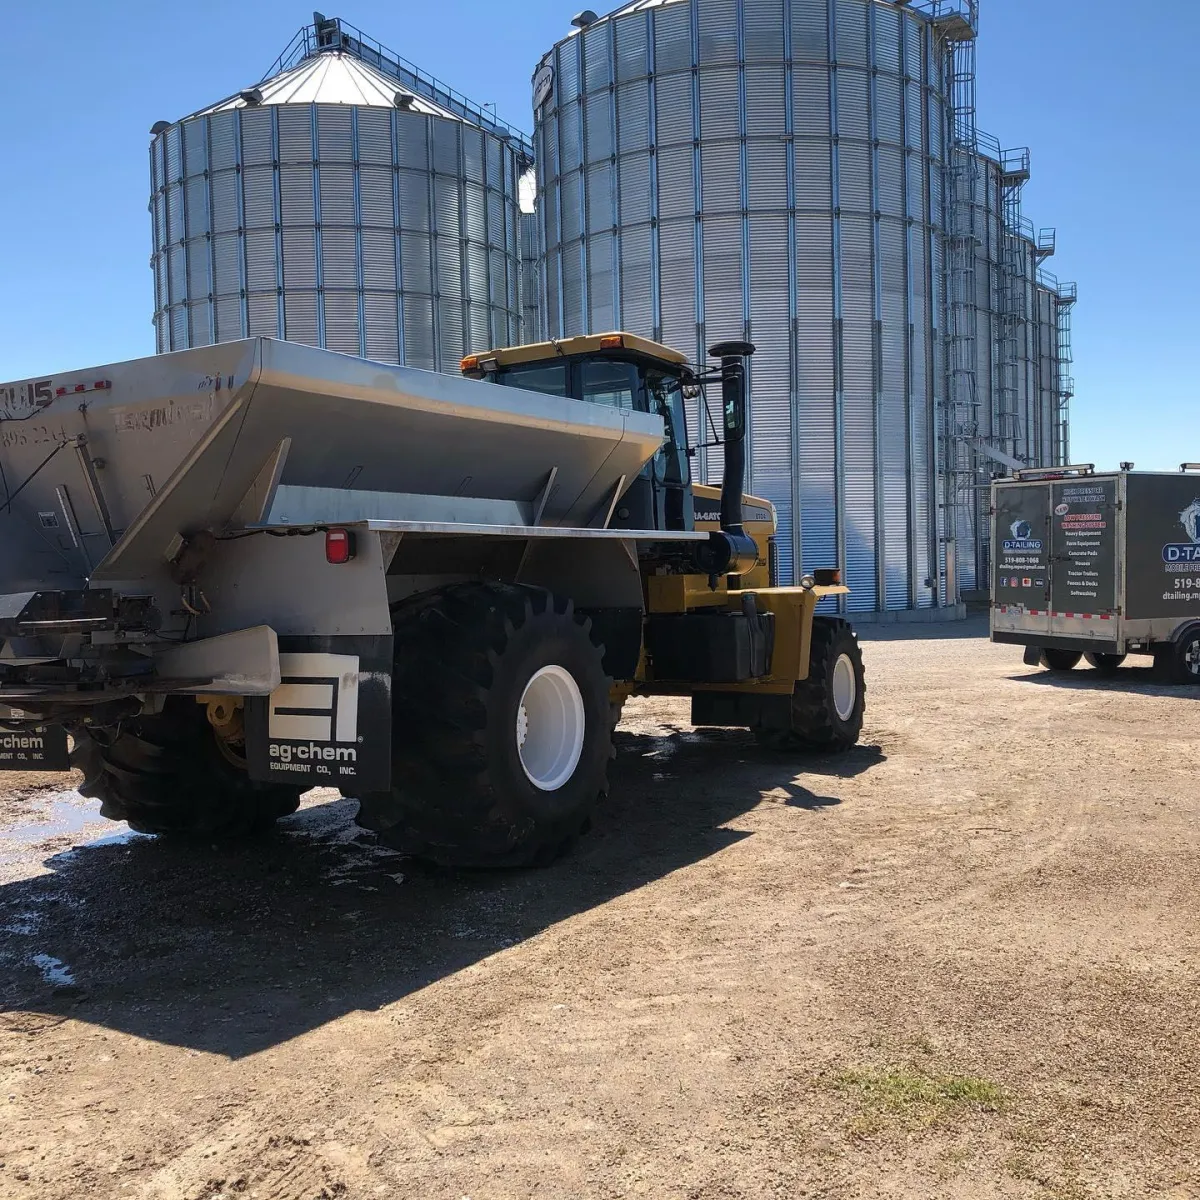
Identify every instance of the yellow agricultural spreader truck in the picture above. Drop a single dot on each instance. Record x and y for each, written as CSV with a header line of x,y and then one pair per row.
x,y
234,573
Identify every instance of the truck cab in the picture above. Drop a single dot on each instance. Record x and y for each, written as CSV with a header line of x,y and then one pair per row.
x,y
624,371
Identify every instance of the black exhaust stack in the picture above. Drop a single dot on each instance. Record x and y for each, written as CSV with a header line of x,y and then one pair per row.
x,y
733,357
733,550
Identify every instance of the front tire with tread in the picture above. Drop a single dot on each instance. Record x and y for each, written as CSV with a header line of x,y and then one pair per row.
x,y
816,723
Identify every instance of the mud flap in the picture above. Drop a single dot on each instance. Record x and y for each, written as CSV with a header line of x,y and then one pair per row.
x,y
34,748
329,724
1033,656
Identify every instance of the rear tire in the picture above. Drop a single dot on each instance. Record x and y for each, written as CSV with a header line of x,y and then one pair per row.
x,y
1060,660
1106,664
165,774
827,708
1180,661
502,728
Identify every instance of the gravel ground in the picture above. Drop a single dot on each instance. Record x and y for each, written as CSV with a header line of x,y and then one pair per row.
x,y
958,962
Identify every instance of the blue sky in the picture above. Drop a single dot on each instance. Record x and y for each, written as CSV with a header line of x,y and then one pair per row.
x,y
1099,94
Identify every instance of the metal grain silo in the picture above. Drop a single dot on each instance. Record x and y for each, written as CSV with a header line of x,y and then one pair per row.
x,y
347,201
1014,321
772,169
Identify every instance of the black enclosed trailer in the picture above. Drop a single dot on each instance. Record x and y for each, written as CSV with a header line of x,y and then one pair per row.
x,y
1099,566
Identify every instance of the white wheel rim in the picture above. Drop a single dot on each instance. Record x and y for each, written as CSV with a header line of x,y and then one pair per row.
x,y
550,728
845,687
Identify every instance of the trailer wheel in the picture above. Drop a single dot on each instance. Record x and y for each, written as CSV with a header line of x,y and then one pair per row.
x,y
502,728
1180,661
166,774
827,707
1059,660
1106,664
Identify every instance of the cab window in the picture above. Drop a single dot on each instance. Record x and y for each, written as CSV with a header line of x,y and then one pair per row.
x,y
551,379
613,384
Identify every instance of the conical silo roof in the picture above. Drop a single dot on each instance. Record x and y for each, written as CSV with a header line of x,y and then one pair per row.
x,y
333,77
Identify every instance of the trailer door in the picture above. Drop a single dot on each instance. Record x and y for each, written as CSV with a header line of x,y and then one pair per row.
x,y
1021,574
1083,559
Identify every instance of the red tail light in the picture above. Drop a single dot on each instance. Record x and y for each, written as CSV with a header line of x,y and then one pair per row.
x,y
339,546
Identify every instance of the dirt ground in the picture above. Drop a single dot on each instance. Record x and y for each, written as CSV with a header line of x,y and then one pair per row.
x,y
959,962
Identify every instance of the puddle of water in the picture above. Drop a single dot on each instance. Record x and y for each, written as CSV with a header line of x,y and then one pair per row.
x,y
54,970
60,813
23,924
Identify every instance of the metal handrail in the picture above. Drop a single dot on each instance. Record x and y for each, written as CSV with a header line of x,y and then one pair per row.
x,y
1015,161
938,9
334,33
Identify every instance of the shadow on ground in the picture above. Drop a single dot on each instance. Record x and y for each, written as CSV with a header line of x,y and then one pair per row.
x,y
235,950
1134,681
974,627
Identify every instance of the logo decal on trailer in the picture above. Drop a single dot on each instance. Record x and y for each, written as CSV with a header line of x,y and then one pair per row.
x,y
312,717
1184,552
1022,538
317,699
329,722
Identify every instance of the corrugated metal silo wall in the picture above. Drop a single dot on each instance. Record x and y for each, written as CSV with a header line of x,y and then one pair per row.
x,y
1016,364
771,169
369,231
530,296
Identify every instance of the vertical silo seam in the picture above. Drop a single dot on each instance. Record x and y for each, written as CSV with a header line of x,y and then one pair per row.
x,y
185,230
464,280
435,267
788,570
318,234
744,222
701,328
910,434
210,241
240,200
656,312
490,285
935,284
585,276
877,389
618,267
356,194
697,184
397,236
167,224
839,399
558,203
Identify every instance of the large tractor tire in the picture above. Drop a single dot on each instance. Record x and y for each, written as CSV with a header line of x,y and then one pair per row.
x,y
166,774
827,707
1059,660
502,729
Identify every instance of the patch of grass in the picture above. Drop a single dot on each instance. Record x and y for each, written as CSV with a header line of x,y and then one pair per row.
x,y
916,1098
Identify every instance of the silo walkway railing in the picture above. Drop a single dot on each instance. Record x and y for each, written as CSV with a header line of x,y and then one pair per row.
x,y
333,33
